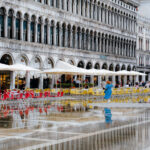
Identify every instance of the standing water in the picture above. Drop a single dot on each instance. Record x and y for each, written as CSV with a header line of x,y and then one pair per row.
x,y
77,132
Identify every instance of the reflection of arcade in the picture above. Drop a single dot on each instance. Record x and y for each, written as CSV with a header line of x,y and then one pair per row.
x,y
5,75
4,80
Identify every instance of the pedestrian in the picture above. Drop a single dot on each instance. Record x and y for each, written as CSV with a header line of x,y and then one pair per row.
x,y
108,91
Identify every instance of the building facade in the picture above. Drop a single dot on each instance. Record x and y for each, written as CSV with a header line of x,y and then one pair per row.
x,y
98,34
143,47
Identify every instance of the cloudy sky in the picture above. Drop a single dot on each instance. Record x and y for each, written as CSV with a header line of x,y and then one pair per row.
x,y
144,9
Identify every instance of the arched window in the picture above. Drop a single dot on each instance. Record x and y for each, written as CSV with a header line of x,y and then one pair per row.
x,y
67,5
94,9
18,19
98,43
82,39
57,3
39,30
63,35
52,33
77,5
32,29
62,4
87,39
2,13
10,23
46,2
86,6
95,42
89,65
91,41
25,24
45,31
57,34
52,3
69,35
90,5
81,64
73,37
78,38
82,7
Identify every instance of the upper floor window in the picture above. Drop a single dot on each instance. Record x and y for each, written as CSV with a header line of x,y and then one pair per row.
x,y
2,13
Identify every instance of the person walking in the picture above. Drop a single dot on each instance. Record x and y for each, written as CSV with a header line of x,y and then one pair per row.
x,y
108,91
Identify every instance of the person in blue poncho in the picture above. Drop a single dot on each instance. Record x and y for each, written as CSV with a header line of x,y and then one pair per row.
x,y
108,91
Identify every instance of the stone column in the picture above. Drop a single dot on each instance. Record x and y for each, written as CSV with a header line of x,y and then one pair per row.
x,y
99,81
28,31
114,79
119,79
21,29
66,38
13,27
113,20
76,39
79,7
35,32
42,32
83,11
5,25
12,80
27,80
41,82
91,10
88,42
60,36
143,78
95,12
106,16
71,38
65,4
74,7
48,3
48,34
104,45
84,40
80,39
100,13
96,48
54,35
70,5
148,76
103,15
100,43
136,78
88,3
125,80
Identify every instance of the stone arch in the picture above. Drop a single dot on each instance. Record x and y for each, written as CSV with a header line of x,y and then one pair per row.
x,y
105,66
111,67
123,67
36,62
89,65
71,61
117,68
97,65
129,68
7,59
81,64
23,59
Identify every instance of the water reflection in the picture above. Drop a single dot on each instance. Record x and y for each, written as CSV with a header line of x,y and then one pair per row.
x,y
132,133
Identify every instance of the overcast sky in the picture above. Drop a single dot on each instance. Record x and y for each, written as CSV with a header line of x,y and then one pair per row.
x,y
144,8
